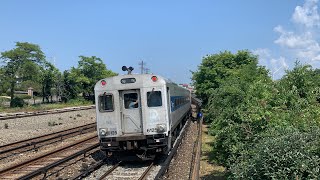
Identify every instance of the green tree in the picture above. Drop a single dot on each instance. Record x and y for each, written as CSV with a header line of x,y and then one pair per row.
x,y
70,88
16,60
58,90
29,77
89,71
4,85
49,78
238,110
263,129
215,68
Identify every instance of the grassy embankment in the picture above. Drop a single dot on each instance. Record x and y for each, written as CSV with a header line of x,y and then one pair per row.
x,y
208,169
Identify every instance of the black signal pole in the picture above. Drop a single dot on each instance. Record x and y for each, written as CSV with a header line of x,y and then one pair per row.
x,y
142,64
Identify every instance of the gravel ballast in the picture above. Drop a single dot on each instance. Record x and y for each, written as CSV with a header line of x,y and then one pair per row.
x,y
13,130
181,163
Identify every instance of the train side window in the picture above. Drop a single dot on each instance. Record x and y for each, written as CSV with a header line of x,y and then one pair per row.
x,y
154,99
105,102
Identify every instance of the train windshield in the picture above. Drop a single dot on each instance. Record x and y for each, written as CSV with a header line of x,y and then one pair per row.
x,y
131,100
106,102
154,98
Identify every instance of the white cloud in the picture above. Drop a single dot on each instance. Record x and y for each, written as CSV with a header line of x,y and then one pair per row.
x,y
292,40
262,52
264,56
276,65
298,43
307,15
304,45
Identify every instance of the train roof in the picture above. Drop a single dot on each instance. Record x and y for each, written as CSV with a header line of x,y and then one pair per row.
x,y
131,81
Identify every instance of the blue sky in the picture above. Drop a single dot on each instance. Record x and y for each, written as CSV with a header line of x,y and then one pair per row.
x,y
170,36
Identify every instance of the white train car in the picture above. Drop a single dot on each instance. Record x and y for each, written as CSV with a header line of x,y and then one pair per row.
x,y
140,113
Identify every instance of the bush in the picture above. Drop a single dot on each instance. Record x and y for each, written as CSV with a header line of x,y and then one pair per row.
x,y
17,102
3,100
262,127
23,96
53,123
286,154
239,110
79,101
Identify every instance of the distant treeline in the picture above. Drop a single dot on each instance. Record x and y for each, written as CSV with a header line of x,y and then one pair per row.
x,y
27,66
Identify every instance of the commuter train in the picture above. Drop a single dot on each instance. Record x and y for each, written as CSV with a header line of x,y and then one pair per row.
x,y
139,114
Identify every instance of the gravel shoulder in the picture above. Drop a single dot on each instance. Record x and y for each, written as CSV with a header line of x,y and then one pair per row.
x,y
181,163
13,130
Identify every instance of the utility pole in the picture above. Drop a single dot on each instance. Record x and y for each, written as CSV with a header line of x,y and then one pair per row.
x,y
142,66
147,70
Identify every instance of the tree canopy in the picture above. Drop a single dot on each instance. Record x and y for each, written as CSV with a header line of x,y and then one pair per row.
x,y
263,129
21,63
82,79
215,68
26,66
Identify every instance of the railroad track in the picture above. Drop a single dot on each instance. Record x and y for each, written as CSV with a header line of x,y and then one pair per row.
x,y
46,162
11,149
124,170
129,173
195,169
45,112
138,173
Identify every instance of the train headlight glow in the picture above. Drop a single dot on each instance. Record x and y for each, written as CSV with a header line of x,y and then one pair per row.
x,y
103,132
161,127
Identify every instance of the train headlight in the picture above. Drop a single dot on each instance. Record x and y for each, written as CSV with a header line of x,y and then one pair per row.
x,y
103,132
161,127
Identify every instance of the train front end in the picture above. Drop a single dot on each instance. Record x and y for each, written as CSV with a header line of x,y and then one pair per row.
x,y
132,115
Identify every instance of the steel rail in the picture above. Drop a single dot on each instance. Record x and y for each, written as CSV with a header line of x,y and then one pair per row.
x,y
28,162
45,112
33,142
146,172
57,163
89,170
109,171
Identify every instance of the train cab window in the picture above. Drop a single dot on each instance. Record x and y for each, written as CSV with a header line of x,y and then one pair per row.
x,y
131,100
105,102
154,99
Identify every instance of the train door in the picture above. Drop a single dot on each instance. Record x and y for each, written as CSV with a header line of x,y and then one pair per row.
x,y
131,121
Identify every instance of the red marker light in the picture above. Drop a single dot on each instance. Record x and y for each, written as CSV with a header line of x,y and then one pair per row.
x,y
154,78
103,82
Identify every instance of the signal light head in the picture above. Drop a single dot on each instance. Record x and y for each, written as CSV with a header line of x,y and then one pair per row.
x,y
154,78
103,82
